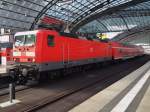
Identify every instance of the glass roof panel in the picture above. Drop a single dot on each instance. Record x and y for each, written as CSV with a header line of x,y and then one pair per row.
x,y
26,13
126,19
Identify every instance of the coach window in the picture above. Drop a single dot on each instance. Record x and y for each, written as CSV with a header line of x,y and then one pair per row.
x,y
50,40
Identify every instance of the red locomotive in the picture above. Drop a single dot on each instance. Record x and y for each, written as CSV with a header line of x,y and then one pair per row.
x,y
47,50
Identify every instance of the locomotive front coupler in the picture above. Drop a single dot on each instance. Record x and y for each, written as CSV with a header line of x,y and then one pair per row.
x,y
21,73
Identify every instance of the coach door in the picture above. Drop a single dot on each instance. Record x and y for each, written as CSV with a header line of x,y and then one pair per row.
x,y
108,49
65,53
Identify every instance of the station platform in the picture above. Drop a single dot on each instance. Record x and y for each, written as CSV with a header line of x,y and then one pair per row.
x,y
130,94
3,70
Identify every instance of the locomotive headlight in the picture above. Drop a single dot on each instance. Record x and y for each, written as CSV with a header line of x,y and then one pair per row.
x,y
33,60
16,53
30,53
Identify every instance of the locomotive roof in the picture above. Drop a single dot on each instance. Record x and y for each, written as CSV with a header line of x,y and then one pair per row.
x,y
26,32
69,35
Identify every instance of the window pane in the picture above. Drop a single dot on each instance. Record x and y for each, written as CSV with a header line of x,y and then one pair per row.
x,y
25,40
30,40
19,40
50,40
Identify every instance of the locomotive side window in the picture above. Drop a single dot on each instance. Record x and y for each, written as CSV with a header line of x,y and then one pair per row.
x,y
50,40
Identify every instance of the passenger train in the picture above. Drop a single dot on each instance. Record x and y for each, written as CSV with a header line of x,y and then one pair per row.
x,y
44,51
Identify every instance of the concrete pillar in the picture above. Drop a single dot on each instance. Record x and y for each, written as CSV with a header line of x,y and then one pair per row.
x,y
67,30
2,30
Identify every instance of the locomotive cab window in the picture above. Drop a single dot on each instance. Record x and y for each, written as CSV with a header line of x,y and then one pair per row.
x,y
25,40
50,40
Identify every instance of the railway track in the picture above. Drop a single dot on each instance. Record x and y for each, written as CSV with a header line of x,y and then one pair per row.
x,y
3,81
5,91
4,88
119,70
50,100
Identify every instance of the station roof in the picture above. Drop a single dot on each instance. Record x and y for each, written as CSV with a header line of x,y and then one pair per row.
x,y
133,34
121,19
88,16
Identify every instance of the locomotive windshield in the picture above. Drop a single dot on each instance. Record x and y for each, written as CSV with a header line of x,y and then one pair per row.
x,y
25,40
